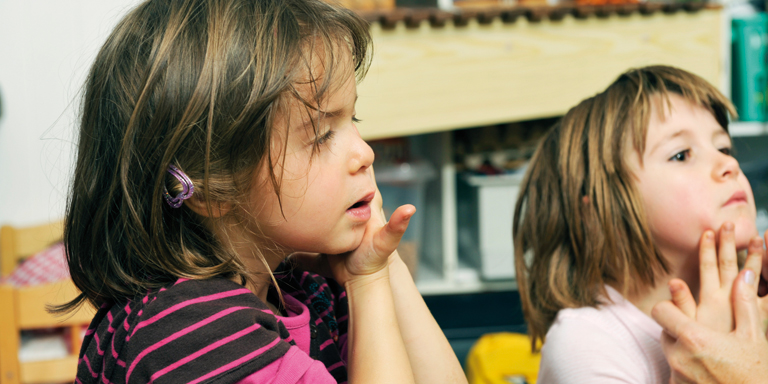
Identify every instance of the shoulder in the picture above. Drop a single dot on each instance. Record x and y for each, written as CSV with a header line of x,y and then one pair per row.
x,y
192,330
589,344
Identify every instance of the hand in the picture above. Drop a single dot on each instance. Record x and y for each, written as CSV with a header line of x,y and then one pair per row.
x,y
717,271
375,252
699,341
698,354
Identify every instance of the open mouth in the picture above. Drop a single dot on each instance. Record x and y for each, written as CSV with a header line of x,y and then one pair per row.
x,y
364,202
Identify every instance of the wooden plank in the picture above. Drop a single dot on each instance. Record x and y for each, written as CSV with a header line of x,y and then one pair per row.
x,y
435,79
9,338
18,243
31,302
35,239
49,371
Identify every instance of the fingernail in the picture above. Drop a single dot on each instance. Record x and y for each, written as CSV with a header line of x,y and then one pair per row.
x,y
728,226
749,277
674,288
708,235
756,242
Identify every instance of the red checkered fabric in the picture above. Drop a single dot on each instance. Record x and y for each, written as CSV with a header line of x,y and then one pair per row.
x,y
45,267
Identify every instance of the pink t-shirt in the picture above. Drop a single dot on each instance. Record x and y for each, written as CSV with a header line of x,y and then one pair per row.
x,y
295,366
615,343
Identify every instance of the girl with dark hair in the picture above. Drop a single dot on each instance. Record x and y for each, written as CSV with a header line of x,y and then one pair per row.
x,y
217,138
612,208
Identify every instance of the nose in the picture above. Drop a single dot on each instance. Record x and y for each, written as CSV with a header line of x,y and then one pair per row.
x,y
361,155
727,167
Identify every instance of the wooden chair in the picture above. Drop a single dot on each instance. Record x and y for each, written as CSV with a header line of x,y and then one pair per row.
x,y
25,309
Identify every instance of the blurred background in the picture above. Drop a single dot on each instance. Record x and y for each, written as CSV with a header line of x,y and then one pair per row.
x,y
458,95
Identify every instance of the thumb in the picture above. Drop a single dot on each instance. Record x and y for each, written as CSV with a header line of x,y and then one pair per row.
x,y
671,318
745,311
388,238
682,297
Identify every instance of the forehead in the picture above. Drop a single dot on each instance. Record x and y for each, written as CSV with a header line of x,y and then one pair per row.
x,y
676,112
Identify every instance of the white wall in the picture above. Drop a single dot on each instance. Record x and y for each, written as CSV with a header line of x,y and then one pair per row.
x,y
46,48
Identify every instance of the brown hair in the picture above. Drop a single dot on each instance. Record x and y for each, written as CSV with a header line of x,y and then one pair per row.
x,y
197,84
579,222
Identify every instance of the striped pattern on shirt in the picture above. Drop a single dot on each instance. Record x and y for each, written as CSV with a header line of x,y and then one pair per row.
x,y
209,330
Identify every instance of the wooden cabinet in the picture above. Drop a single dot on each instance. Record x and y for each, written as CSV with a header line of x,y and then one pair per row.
x,y
426,79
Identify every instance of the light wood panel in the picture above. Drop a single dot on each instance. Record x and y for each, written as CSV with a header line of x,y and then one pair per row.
x,y
49,371
31,316
435,79
18,243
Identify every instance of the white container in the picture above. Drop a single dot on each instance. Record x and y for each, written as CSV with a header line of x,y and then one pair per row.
x,y
485,205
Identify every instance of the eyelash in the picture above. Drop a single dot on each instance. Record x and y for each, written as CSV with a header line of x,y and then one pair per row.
x,y
726,151
329,135
324,138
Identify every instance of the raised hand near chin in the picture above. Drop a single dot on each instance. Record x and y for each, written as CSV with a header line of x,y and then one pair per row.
x,y
379,243
377,248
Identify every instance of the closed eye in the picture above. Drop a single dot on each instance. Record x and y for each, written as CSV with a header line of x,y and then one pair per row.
x,y
355,119
325,138
681,156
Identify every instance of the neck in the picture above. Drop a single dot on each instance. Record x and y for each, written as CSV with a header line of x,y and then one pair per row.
x,y
684,267
247,247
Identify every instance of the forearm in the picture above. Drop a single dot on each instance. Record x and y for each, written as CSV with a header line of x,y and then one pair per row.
x,y
376,350
430,354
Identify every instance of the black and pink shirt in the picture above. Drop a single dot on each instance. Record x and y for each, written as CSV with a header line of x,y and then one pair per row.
x,y
217,331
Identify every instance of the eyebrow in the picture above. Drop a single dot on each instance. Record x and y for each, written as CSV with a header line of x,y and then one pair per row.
x,y
683,131
665,139
336,112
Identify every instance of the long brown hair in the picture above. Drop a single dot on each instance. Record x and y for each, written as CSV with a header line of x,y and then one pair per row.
x,y
579,222
197,84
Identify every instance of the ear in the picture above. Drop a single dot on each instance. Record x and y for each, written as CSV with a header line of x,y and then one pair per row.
x,y
199,206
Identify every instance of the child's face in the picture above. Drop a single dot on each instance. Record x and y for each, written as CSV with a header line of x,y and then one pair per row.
x,y
325,202
689,182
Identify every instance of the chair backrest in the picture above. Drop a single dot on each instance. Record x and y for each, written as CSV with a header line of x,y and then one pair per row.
x,y
17,243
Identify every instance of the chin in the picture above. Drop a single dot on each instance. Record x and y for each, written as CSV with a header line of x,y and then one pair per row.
x,y
745,233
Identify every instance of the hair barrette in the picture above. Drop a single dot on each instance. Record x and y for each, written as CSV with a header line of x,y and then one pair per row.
x,y
186,183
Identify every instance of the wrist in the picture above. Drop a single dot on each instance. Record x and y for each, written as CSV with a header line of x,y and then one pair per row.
x,y
364,282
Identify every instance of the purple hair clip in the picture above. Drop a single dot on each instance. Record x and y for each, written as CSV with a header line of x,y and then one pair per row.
x,y
189,189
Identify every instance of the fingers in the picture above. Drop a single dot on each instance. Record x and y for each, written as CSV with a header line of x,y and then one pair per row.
x,y
670,317
763,287
388,238
709,273
729,266
745,311
682,297
754,261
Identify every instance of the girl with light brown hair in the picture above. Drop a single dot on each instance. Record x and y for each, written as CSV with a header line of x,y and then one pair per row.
x,y
218,138
612,208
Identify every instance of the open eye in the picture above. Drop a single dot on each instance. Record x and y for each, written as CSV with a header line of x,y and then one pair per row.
x,y
726,151
681,156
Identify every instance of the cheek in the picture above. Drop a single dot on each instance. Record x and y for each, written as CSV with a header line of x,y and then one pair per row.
x,y
677,214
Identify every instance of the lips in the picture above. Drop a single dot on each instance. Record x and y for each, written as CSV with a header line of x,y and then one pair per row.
x,y
361,209
737,198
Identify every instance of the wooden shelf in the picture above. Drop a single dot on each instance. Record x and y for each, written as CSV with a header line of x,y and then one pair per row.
x,y
428,79
49,371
